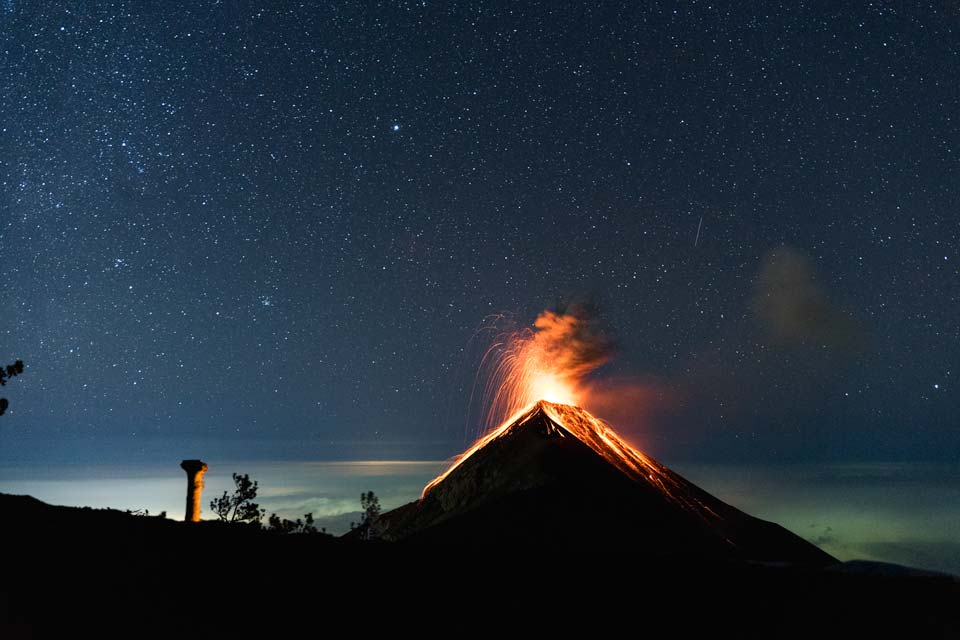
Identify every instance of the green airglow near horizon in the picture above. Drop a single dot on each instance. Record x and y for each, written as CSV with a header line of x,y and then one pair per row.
x,y
903,513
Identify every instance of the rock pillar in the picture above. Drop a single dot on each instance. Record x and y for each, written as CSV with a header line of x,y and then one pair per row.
x,y
195,470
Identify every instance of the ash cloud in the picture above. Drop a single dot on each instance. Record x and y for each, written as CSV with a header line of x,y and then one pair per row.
x,y
773,375
633,405
793,309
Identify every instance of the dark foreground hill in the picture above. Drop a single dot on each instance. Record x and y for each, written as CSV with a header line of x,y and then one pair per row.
x,y
69,571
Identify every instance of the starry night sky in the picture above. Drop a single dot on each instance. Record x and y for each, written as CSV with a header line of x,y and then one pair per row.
x,y
273,230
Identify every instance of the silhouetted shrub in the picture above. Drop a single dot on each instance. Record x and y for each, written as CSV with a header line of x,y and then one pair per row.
x,y
370,525
298,526
240,506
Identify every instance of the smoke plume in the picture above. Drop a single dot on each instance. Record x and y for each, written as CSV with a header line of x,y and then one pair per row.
x,y
571,343
793,309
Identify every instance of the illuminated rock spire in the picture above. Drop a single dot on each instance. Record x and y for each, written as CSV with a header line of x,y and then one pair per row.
x,y
195,470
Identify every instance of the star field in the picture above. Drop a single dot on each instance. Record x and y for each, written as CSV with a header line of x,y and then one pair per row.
x,y
272,229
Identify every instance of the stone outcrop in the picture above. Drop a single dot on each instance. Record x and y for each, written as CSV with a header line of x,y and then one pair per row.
x,y
195,470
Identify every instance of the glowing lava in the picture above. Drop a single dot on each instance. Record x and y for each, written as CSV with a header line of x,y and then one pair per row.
x,y
548,362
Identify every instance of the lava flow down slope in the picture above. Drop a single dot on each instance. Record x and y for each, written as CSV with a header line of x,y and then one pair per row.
x,y
555,477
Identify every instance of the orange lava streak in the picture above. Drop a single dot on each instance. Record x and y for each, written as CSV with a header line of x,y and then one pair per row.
x,y
598,435
479,444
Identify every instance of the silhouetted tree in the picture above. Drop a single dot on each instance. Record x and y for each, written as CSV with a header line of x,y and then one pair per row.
x,y
370,525
240,506
10,371
278,525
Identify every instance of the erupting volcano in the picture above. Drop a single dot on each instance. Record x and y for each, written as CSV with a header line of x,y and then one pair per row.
x,y
554,476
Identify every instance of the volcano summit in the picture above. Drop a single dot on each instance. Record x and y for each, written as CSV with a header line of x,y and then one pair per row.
x,y
556,477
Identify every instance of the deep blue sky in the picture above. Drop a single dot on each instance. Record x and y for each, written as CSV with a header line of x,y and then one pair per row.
x,y
270,230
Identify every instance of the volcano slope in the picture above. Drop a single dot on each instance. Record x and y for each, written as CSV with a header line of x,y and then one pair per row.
x,y
557,478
